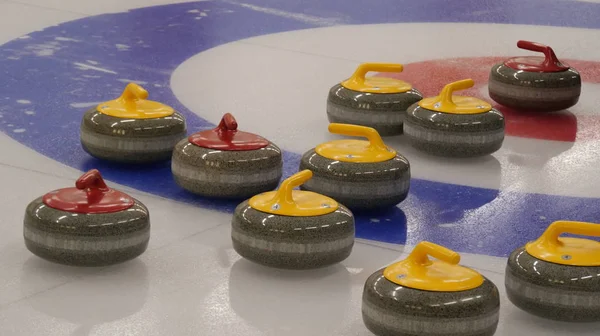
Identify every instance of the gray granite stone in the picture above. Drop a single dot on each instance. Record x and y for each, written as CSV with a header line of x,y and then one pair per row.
x,y
389,309
534,91
454,135
131,140
553,291
359,186
290,242
226,174
381,111
86,239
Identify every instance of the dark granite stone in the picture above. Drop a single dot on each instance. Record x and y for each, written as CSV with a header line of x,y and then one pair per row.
x,y
359,186
454,135
86,239
131,140
553,291
395,310
534,91
291,242
227,174
381,111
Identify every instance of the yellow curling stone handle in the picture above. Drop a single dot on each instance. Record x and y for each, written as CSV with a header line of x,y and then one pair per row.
x,y
297,203
360,151
442,275
448,103
133,104
552,248
358,81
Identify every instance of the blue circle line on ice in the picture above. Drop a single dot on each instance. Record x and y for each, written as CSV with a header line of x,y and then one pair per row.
x,y
52,76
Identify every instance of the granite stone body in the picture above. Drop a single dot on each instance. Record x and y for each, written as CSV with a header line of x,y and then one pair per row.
x,y
86,239
534,91
359,186
382,111
131,140
292,242
553,291
454,135
227,174
389,309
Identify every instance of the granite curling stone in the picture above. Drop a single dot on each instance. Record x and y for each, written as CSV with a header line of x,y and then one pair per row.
x,y
361,174
293,229
375,102
422,297
454,126
557,278
225,162
88,225
537,84
131,129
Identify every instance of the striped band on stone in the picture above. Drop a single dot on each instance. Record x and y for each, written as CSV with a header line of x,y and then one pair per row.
x,y
193,173
425,134
285,247
85,244
532,93
550,296
121,143
362,116
414,325
358,189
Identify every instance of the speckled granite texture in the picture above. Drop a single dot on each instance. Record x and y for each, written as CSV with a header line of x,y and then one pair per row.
x,y
227,174
131,140
292,242
86,239
381,111
554,291
389,309
534,91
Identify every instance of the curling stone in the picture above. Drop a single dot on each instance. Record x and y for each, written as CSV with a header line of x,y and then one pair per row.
x,y
557,278
531,83
375,102
293,229
361,174
131,129
89,225
422,297
226,162
454,126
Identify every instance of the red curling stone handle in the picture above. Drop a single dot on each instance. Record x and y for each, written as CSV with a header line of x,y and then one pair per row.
x,y
228,123
92,180
550,61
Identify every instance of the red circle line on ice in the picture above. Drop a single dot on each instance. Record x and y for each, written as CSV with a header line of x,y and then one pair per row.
x,y
430,76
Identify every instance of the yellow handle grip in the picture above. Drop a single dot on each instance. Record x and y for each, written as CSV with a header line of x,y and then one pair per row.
x,y
448,90
363,69
557,228
420,253
133,92
284,194
375,140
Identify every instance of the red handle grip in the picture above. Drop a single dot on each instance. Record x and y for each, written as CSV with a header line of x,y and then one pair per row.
x,y
91,180
228,123
551,59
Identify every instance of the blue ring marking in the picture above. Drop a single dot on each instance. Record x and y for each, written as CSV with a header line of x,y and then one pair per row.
x,y
51,71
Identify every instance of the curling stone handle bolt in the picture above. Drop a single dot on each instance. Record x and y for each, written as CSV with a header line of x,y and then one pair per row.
x,y
228,123
550,236
133,92
91,180
420,253
551,58
365,68
375,141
